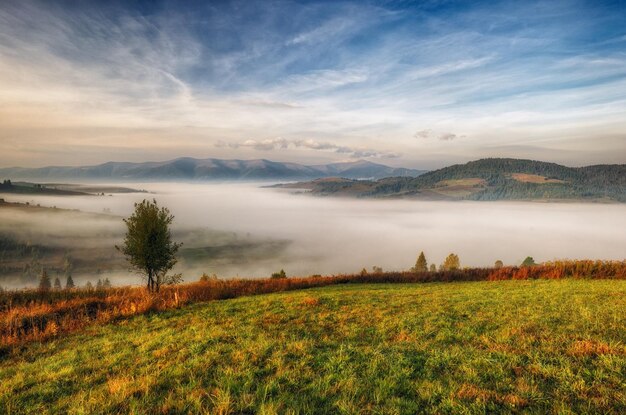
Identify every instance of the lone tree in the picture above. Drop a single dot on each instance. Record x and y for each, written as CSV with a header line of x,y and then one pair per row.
x,y
528,262
44,282
148,245
69,283
451,262
57,283
499,264
421,265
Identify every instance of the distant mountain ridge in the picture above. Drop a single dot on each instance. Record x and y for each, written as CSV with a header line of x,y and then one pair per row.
x,y
490,179
187,168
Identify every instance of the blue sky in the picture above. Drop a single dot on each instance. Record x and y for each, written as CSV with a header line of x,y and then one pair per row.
x,y
420,84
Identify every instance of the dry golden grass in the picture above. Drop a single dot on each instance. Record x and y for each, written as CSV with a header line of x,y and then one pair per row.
x,y
459,187
533,178
595,348
470,181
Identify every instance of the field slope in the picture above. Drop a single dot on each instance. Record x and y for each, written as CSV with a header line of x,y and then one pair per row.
x,y
537,346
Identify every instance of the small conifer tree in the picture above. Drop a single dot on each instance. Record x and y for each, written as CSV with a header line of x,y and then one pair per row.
x,y
69,282
44,282
57,283
421,265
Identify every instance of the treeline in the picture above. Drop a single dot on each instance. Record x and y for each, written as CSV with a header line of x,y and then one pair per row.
x,y
563,269
28,315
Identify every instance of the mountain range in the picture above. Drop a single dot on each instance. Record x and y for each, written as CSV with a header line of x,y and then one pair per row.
x,y
487,179
187,168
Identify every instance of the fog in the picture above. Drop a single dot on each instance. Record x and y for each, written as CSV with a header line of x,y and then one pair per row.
x,y
331,235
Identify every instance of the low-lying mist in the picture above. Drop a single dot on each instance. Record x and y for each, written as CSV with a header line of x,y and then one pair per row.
x,y
307,235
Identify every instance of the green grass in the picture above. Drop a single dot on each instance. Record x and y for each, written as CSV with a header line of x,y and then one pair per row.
x,y
510,346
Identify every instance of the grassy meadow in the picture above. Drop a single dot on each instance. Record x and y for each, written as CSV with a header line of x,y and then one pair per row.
x,y
535,346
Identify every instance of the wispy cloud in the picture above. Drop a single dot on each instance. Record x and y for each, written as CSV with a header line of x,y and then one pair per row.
x,y
283,143
357,79
443,136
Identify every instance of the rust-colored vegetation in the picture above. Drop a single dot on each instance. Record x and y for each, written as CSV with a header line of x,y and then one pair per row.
x,y
27,315
534,178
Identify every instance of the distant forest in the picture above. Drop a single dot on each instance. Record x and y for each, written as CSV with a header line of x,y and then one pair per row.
x,y
492,179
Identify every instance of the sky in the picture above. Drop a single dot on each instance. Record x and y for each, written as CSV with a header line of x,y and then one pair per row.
x,y
419,84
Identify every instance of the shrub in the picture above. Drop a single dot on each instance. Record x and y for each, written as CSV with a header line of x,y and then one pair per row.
x,y
280,274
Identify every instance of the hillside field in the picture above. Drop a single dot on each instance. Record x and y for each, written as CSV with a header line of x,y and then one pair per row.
x,y
538,346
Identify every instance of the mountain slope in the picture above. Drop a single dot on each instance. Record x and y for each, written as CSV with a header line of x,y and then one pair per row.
x,y
188,168
491,179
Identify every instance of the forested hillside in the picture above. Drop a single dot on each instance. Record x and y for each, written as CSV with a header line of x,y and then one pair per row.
x,y
491,179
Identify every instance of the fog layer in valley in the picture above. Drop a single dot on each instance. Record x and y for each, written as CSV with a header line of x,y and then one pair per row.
x,y
329,235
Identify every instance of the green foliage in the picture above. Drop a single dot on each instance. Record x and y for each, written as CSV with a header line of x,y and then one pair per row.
x,y
528,262
280,274
148,245
377,270
533,347
420,265
498,264
433,268
57,283
44,281
451,263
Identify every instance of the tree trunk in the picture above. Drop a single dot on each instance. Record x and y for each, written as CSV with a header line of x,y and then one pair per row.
x,y
149,280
